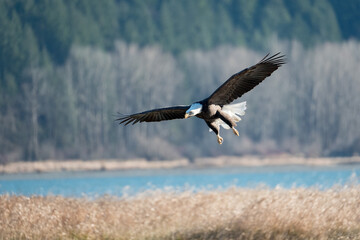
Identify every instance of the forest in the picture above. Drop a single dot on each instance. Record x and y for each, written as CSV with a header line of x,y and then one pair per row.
x,y
68,67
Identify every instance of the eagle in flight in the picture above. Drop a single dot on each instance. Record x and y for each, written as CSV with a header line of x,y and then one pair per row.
x,y
216,109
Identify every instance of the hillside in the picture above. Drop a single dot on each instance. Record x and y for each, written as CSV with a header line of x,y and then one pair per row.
x,y
66,67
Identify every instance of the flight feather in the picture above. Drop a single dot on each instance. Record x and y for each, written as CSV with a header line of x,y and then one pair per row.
x,y
154,115
247,79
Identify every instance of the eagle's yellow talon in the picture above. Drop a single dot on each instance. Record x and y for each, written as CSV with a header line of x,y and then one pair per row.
x,y
235,131
219,139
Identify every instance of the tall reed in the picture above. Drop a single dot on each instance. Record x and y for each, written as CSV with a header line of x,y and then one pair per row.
x,y
234,213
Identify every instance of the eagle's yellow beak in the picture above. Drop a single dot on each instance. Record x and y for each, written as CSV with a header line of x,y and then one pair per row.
x,y
186,115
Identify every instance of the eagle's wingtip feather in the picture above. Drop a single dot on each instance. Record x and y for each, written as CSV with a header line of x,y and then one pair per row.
x,y
275,59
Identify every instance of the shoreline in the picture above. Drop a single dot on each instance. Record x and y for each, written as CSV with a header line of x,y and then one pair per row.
x,y
143,164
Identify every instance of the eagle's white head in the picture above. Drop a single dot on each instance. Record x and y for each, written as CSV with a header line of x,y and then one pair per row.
x,y
193,110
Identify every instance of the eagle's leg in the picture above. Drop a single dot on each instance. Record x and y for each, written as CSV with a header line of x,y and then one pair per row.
x,y
216,130
227,119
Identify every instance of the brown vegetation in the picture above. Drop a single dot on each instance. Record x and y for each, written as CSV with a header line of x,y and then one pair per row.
x,y
95,165
234,213
221,161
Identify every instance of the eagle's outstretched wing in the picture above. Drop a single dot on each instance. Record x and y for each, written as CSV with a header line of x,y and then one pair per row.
x,y
155,115
247,79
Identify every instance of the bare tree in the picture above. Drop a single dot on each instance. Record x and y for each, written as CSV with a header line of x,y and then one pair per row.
x,y
309,106
32,99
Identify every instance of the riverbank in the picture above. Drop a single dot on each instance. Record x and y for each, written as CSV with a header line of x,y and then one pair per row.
x,y
235,213
117,164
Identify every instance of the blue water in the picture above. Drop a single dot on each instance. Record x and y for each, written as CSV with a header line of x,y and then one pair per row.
x,y
77,184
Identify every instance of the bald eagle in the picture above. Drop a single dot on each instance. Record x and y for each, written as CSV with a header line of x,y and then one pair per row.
x,y
216,109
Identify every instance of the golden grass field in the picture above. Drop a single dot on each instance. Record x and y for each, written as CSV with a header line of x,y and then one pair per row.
x,y
235,213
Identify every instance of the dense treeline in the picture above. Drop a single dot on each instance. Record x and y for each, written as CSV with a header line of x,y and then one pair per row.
x,y
57,99
308,107
49,28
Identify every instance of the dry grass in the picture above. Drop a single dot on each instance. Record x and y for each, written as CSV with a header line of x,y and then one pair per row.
x,y
235,213
117,164
94,165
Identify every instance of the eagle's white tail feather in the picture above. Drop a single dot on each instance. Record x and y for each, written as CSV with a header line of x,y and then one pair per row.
x,y
234,111
237,108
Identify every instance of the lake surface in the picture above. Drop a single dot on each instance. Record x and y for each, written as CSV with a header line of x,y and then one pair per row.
x,y
120,183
